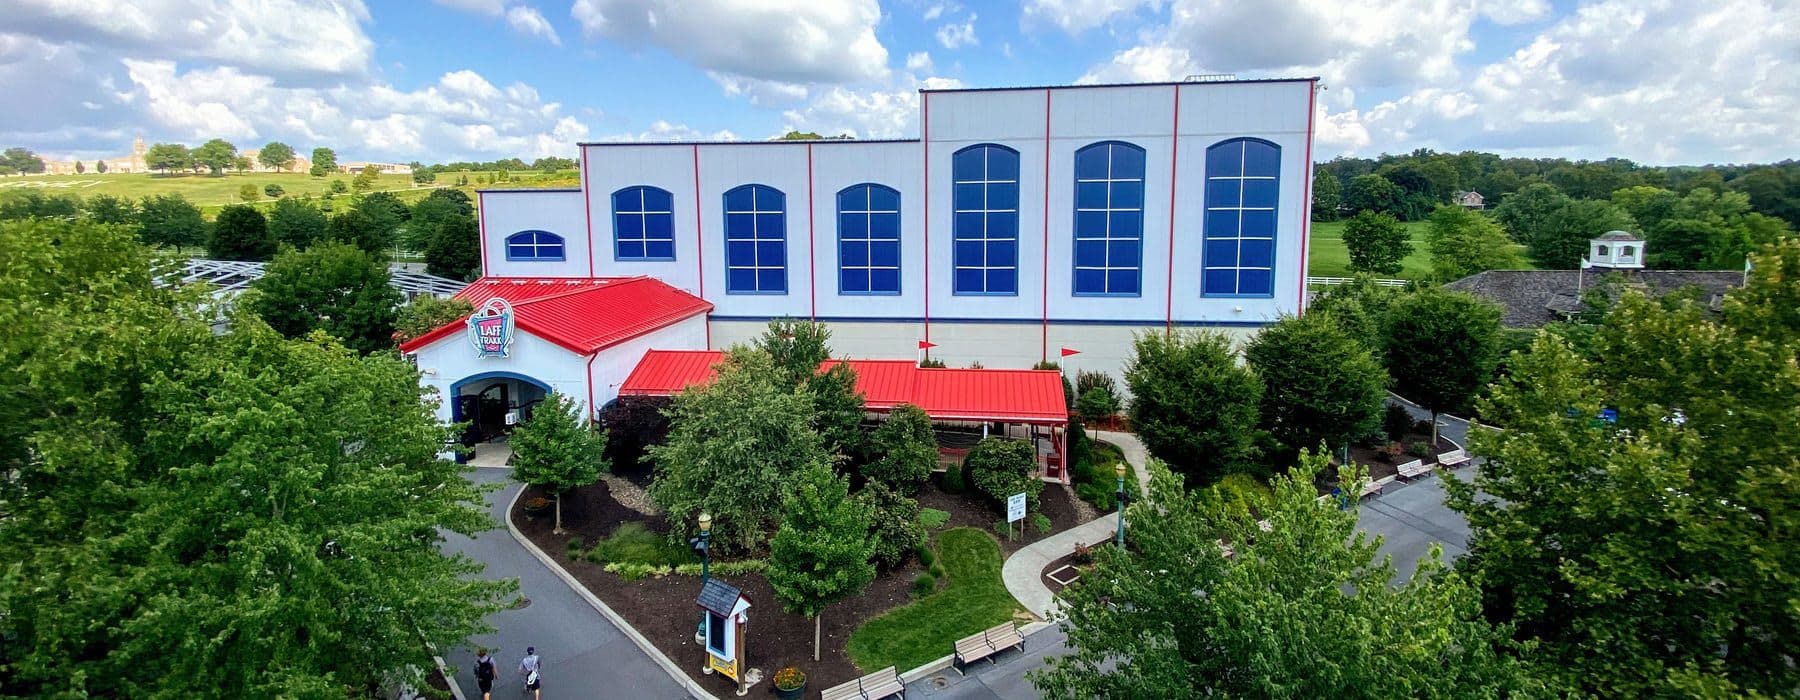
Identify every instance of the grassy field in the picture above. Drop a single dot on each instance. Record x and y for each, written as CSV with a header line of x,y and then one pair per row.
x,y
1327,256
206,191
973,600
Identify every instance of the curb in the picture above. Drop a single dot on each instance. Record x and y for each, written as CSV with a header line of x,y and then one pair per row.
x,y
931,667
637,638
455,690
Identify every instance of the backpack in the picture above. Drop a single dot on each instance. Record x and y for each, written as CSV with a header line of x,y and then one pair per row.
x,y
484,670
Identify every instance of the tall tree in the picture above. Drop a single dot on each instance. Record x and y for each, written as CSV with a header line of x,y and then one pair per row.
x,y
357,228
324,162
79,168
330,287
797,348
240,232
297,222
23,160
1302,609
455,252
1192,404
366,179
38,205
903,450
1464,242
195,491
107,209
1526,212
822,553
216,155
1373,193
170,220
276,156
100,166
1562,240
838,411
169,156
1320,386
557,449
1441,348
732,446
1655,555
428,217
428,313
1377,243
1328,193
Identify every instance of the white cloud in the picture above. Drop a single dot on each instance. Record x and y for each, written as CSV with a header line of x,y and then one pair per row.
x,y
956,35
791,41
1515,11
760,92
492,8
871,114
1143,64
937,9
199,104
918,62
664,131
276,37
529,22
1077,16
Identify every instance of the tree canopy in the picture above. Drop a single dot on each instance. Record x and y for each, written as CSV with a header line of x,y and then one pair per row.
x,y
1319,384
1441,347
170,220
216,155
324,162
276,156
822,553
1377,243
330,287
1192,404
240,232
1464,242
903,450
558,449
297,222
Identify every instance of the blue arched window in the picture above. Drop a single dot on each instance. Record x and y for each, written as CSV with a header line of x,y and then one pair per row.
x,y
1243,183
755,240
986,227
643,224
1109,219
868,240
542,246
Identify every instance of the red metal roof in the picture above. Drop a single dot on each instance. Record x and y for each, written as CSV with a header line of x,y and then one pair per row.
x,y
582,315
1012,395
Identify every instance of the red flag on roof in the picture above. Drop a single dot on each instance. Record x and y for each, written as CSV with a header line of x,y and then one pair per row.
x,y
1067,352
926,345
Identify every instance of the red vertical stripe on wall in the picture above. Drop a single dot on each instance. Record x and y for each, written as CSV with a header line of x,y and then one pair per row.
x,y
587,210
1312,95
812,251
1174,160
481,210
700,245
1044,330
925,213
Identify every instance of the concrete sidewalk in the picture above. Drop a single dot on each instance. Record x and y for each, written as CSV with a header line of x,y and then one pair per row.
x,y
1021,570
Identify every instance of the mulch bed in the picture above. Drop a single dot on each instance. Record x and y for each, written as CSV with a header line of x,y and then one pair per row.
x,y
1055,567
1380,469
663,609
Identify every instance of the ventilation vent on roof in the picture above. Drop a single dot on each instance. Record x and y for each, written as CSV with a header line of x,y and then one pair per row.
x,y
1211,77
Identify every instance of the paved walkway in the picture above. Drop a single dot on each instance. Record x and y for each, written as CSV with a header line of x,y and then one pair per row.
x,y
584,655
1135,454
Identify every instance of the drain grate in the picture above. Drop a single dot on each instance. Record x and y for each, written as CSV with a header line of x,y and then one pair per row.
x,y
939,682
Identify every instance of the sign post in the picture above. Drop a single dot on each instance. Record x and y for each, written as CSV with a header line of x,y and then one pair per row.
x,y
1015,511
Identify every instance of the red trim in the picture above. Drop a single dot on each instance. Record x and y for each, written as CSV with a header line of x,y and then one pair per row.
x,y
699,243
587,210
812,249
925,213
1044,330
593,412
1312,97
481,211
1174,162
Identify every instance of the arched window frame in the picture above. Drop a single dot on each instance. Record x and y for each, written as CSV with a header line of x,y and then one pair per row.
x,y
755,240
1240,229
869,251
1107,255
536,245
985,233
643,224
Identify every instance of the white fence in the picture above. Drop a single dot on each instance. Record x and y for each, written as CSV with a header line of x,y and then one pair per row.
x,y
1333,281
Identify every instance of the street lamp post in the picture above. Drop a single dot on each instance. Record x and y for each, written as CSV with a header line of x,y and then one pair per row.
x,y
703,545
1122,498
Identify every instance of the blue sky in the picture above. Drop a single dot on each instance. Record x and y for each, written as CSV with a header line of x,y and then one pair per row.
x,y
1659,81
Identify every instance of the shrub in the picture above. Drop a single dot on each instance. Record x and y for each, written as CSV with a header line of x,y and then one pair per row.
x,y
953,479
923,585
1390,452
1041,523
249,193
1396,422
1422,427
537,505
1086,381
927,556
928,362
337,187
575,548
1007,529
273,190
1422,450
1239,494
905,450
937,570
636,544
1097,403
933,518
893,523
1000,468
789,678
1083,554
724,568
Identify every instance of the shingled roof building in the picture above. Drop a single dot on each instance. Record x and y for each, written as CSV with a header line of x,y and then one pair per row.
x,y
1615,261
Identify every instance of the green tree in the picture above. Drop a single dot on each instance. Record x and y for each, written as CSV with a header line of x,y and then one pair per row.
x,y
1441,348
903,450
427,313
242,164
22,160
1192,404
1674,553
216,155
170,220
329,287
357,228
557,449
107,209
797,347
1319,384
894,527
276,156
1000,468
297,222
455,252
822,553
731,447
273,190
169,156
240,232
423,177
100,166
1464,242
324,162
1304,609
366,179
1374,193
838,411
37,205
79,168
1526,212
243,512
337,187
1328,193
1562,240
1377,243
249,193
428,218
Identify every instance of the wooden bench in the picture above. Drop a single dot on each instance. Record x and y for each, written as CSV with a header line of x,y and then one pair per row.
x,y
1371,486
1453,458
991,641
884,683
1413,469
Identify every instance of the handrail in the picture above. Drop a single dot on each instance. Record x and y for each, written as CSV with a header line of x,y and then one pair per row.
x,y
1333,281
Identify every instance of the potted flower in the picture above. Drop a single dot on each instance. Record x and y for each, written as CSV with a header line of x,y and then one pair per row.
x,y
790,683
536,505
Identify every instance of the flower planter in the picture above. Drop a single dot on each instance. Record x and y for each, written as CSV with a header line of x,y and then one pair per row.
x,y
536,506
789,684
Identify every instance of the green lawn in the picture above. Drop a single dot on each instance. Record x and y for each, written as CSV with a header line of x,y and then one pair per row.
x,y
204,190
1327,256
973,600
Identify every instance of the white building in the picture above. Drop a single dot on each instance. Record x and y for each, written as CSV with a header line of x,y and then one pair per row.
x,y
1023,221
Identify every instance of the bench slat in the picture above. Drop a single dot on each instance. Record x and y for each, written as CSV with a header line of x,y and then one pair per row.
x,y
844,691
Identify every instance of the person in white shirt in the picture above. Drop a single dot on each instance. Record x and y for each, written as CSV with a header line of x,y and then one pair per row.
x,y
529,668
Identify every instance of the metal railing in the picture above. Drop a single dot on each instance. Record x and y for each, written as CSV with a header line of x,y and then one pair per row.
x,y
1333,281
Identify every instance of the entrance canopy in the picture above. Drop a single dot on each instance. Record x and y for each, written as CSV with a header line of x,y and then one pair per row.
x,y
1000,395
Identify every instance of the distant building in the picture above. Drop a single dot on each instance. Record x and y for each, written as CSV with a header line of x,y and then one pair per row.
x,y
356,166
133,163
1532,298
301,163
1469,200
